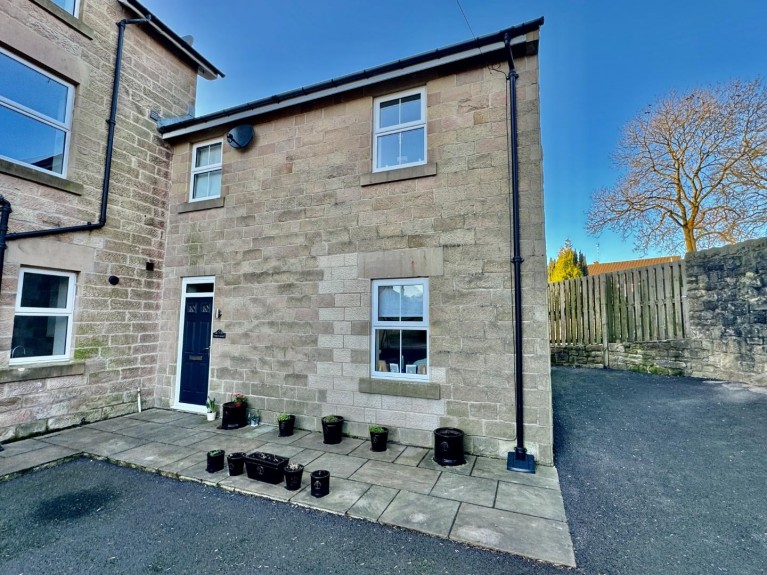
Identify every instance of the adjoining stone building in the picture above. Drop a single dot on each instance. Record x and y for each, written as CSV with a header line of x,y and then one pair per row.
x,y
354,258
73,347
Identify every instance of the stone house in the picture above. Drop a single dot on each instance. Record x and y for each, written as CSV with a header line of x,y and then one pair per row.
x,y
348,244
74,347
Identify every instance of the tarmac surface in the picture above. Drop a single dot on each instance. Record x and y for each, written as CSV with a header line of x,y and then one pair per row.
x,y
659,475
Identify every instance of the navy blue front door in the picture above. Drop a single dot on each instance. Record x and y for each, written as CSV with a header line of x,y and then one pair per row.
x,y
195,354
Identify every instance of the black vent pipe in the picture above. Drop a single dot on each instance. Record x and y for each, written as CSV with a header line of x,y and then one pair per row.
x,y
520,459
5,206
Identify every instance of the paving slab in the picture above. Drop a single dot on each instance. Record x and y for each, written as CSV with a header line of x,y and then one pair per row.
x,y
157,415
249,432
243,484
428,463
537,501
533,537
154,455
338,465
280,449
393,451
273,436
342,496
372,503
94,441
423,513
34,458
116,424
412,456
174,468
314,441
196,421
464,488
306,456
23,446
397,476
544,475
198,471
227,443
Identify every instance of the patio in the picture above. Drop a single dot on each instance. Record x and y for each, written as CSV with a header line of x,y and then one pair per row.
x,y
479,503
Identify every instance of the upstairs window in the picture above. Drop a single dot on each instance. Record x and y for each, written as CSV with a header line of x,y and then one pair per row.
x,y
35,115
42,325
206,171
70,6
400,130
400,329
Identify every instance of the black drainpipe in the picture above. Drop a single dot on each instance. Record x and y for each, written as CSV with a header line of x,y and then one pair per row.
x,y
5,205
519,459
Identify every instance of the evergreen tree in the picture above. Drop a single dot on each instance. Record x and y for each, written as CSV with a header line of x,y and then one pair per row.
x,y
568,264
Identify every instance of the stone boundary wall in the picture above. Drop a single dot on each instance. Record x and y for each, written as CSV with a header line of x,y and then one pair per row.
x,y
727,302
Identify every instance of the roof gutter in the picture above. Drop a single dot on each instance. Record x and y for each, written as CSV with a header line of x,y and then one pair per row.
x,y
204,67
401,68
520,459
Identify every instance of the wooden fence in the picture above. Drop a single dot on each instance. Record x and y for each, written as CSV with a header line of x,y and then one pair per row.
x,y
640,304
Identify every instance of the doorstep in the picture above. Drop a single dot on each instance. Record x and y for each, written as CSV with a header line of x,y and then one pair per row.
x,y
479,503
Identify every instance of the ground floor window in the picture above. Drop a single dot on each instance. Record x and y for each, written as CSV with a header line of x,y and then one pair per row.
x,y
42,324
400,329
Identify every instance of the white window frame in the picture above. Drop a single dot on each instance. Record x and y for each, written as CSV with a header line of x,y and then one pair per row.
x,y
376,324
204,169
67,312
378,131
65,126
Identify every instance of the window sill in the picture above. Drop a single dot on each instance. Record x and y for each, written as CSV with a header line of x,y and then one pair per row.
x,y
66,17
40,371
400,388
32,175
199,206
397,175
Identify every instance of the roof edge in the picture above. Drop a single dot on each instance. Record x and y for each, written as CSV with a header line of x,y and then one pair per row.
x,y
204,67
455,52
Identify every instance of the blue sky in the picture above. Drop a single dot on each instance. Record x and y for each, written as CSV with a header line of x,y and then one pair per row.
x,y
602,62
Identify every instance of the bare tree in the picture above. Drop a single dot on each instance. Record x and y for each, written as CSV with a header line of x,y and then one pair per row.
x,y
695,170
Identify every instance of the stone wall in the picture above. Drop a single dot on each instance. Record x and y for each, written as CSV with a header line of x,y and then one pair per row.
x,y
727,317
302,229
115,342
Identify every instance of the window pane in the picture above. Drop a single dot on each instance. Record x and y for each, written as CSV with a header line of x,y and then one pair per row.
x,y
207,185
207,155
389,113
32,89
388,150
401,351
44,291
400,303
412,303
412,146
410,109
199,288
35,336
27,140
68,5
389,302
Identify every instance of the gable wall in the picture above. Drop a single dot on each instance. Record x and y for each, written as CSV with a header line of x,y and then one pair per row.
x,y
299,238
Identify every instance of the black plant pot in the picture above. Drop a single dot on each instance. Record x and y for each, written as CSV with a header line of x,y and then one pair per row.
x,y
378,439
265,467
287,426
236,462
215,461
320,483
448,446
293,478
332,432
233,415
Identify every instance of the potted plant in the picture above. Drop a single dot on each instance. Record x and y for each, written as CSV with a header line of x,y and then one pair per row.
x,y
265,467
236,462
254,417
332,428
287,423
379,435
293,475
210,405
239,399
215,460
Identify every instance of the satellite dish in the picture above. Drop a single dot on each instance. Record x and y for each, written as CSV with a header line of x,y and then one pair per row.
x,y
240,137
